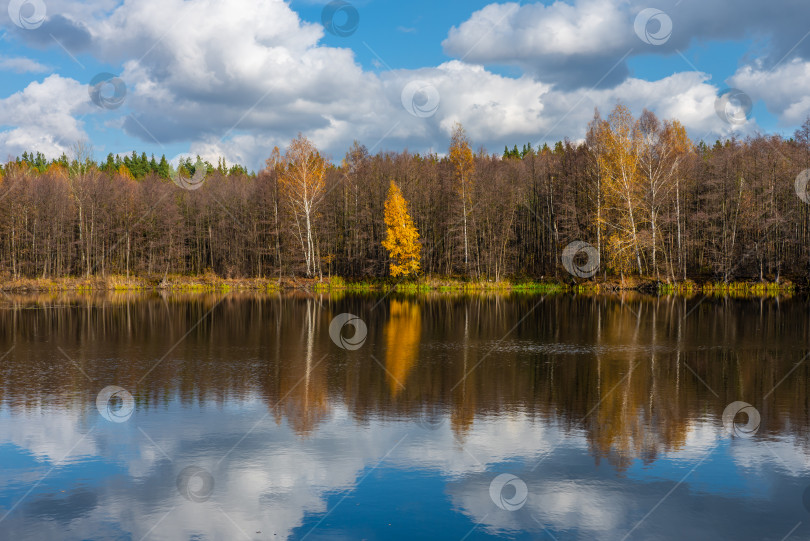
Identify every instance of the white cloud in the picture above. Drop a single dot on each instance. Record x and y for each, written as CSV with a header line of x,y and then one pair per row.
x,y
582,44
574,43
235,79
784,89
216,67
21,65
511,32
43,117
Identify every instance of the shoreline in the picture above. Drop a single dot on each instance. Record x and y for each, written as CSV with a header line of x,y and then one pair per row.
x,y
212,283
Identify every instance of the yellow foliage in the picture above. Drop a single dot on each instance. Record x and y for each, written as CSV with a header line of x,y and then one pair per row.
x,y
676,137
301,171
125,172
619,254
461,157
401,236
58,170
402,335
622,186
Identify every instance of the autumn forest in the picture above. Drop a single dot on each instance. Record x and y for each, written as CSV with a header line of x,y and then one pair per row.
x,y
650,200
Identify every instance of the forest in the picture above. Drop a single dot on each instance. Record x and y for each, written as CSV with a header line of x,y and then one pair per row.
x,y
652,202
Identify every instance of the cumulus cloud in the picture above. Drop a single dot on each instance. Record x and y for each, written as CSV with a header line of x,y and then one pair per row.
x,y
235,79
43,117
66,21
575,44
212,72
493,109
782,89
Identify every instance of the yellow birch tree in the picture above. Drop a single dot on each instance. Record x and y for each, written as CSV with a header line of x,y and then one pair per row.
x,y
461,157
623,187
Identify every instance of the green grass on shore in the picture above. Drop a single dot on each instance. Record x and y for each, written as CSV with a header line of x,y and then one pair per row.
x,y
749,289
210,282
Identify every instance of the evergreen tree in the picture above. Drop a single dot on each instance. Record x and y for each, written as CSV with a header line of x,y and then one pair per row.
x,y
109,166
163,168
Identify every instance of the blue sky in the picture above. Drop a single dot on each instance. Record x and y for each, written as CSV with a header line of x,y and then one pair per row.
x,y
236,78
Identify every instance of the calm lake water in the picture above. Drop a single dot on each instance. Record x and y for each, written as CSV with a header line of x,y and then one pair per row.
x,y
442,417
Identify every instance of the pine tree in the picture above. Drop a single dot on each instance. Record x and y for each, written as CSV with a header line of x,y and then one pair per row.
x,y
401,236
163,167
109,165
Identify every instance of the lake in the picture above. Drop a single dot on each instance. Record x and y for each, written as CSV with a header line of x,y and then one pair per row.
x,y
438,416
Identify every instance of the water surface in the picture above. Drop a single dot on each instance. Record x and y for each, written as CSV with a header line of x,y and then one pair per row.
x,y
458,417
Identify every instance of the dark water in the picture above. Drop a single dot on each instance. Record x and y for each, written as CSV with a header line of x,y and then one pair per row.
x,y
524,417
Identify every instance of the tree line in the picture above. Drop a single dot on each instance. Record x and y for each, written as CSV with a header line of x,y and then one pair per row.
x,y
651,201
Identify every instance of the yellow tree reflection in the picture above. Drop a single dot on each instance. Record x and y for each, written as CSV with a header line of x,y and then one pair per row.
x,y
402,334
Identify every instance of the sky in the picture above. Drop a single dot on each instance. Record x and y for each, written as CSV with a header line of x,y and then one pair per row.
x,y
234,78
